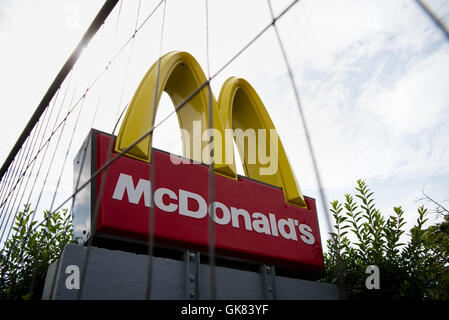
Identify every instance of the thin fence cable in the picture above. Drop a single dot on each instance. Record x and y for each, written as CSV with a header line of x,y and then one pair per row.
x,y
36,133
68,149
104,176
6,179
107,68
211,177
56,128
100,74
33,162
53,283
323,196
99,171
16,179
56,147
59,79
54,153
30,230
13,181
9,208
38,254
114,42
47,111
128,64
42,143
12,177
40,125
10,188
303,120
437,21
152,218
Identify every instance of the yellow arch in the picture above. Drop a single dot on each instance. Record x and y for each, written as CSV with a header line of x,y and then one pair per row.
x,y
240,107
179,76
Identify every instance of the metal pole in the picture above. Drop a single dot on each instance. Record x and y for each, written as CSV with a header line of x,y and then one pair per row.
x,y
104,12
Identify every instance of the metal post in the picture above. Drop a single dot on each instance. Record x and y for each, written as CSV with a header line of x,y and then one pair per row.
x,y
192,279
104,12
268,282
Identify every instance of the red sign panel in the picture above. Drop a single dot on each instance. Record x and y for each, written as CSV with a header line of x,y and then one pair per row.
x,y
252,219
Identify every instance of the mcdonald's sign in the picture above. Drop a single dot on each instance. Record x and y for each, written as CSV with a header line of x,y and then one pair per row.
x,y
261,217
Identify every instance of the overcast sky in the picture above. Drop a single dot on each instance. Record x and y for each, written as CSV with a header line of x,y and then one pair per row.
x,y
373,78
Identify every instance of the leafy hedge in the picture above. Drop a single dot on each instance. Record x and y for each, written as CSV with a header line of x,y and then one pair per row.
x,y
417,269
28,253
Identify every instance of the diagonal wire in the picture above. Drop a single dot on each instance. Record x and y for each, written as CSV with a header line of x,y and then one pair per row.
x,y
47,142
42,143
35,134
152,220
104,176
38,254
128,64
34,162
6,179
59,79
211,177
56,147
113,44
48,172
20,258
49,112
9,178
77,190
10,189
308,139
45,231
11,204
79,100
104,70
437,21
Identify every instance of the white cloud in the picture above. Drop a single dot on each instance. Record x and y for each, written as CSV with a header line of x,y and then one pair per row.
x,y
417,100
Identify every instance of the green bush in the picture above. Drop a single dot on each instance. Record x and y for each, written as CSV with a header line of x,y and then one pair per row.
x,y
417,269
28,253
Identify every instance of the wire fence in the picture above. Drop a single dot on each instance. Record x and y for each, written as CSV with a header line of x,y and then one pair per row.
x,y
37,170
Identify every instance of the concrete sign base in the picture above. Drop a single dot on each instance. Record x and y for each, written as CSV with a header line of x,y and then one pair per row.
x,y
119,275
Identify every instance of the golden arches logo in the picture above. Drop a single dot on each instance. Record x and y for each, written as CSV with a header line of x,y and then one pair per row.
x,y
238,107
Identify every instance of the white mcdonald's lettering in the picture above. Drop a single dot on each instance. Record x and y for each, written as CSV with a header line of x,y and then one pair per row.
x,y
184,210
125,183
223,215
